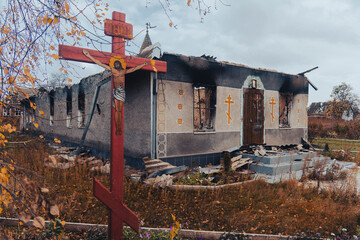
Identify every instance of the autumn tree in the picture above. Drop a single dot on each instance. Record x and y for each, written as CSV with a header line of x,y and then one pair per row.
x,y
344,102
203,7
30,31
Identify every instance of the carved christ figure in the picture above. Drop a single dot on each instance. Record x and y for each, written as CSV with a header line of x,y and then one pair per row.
x,y
117,66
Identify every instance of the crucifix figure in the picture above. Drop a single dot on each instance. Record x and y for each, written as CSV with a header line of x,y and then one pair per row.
x,y
117,66
119,30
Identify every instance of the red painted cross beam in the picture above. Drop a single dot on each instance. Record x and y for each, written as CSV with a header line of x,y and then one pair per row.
x,y
113,199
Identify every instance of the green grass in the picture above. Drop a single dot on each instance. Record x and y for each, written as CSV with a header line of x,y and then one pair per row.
x,y
338,144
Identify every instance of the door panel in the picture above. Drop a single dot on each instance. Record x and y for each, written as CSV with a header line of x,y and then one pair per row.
x,y
253,126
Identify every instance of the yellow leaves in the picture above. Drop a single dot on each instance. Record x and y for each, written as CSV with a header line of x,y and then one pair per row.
x,y
68,33
67,8
52,47
4,179
69,80
27,71
33,105
56,20
36,125
174,230
55,56
6,70
172,235
188,2
82,33
41,136
41,112
45,19
25,94
57,140
5,31
74,18
63,223
11,80
170,24
1,51
8,128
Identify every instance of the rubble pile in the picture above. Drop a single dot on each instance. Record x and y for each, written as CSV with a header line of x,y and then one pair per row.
x,y
260,150
64,159
245,161
160,181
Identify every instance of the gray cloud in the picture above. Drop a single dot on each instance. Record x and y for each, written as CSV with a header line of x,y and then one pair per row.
x,y
286,35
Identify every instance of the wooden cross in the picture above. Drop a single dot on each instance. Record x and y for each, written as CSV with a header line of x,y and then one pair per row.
x,y
272,109
113,199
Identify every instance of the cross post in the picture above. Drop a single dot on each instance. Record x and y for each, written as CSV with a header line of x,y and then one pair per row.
x,y
119,30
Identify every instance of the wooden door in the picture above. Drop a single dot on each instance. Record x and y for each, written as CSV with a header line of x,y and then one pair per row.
x,y
253,121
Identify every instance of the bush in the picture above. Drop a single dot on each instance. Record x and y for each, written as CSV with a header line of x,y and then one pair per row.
x,y
342,129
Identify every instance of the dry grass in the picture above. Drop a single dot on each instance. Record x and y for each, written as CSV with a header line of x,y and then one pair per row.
x,y
256,207
338,144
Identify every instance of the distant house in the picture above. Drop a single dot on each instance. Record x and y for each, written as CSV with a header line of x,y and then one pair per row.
x,y
317,110
188,115
11,108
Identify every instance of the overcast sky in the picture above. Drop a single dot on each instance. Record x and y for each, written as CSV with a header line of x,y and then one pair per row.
x,y
289,36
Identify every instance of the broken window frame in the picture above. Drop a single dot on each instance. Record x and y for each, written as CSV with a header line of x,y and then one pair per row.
x,y
285,104
68,107
52,107
204,108
81,107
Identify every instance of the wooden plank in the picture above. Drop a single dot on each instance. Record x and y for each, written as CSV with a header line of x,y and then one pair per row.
x,y
152,161
76,54
234,159
241,163
118,29
158,166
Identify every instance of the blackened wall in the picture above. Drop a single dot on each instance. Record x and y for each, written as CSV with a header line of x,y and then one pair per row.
x,y
199,70
137,138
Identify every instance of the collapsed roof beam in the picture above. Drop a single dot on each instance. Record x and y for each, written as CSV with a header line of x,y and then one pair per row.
x,y
303,74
